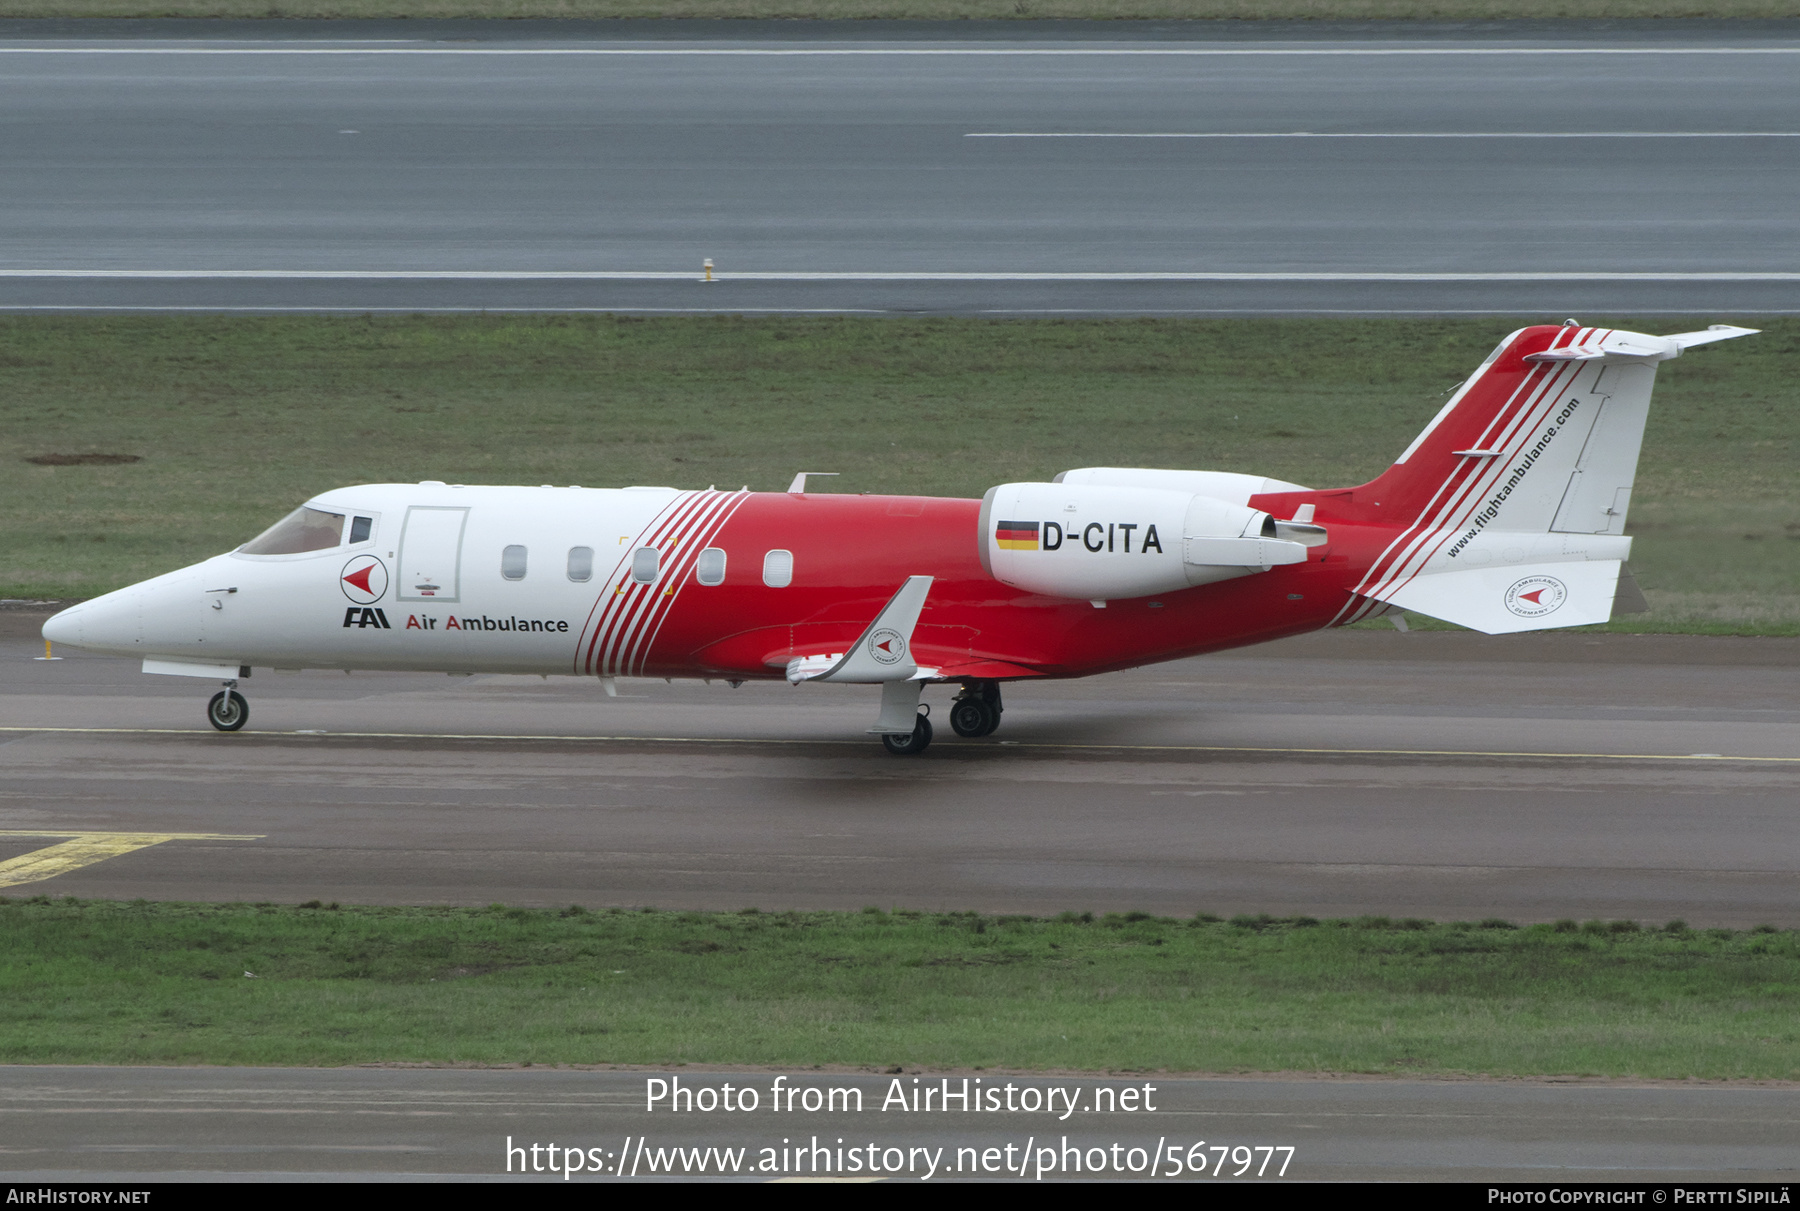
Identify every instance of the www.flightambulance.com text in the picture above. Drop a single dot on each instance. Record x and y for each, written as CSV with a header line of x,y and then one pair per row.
x,y
947,1099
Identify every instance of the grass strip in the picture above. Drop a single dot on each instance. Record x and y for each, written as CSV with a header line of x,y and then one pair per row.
x,y
217,426
929,10
150,983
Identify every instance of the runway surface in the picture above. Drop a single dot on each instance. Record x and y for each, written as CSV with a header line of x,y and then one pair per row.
x,y
1442,775
1604,168
135,1124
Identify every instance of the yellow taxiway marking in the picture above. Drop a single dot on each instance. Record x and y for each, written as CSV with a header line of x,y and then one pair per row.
x,y
1031,744
84,849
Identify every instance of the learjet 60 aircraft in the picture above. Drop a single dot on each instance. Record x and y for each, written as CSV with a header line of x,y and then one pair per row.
x,y
1506,514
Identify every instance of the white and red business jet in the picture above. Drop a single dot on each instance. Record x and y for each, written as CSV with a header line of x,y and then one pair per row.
x,y
1506,514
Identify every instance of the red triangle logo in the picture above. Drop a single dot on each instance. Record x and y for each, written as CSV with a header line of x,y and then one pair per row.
x,y
360,578
886,645
1532,596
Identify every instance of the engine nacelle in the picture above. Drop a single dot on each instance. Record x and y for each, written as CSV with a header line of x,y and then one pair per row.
x,y
1229,486
1097,542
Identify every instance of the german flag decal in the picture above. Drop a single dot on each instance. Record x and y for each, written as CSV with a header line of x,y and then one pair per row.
x,y
1017,536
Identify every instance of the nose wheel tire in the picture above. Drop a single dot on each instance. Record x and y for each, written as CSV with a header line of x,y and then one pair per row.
x,y
228,711
906,745
971,718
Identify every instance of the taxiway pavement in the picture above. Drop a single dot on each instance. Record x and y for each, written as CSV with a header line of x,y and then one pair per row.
x,y
145,1125
1442,775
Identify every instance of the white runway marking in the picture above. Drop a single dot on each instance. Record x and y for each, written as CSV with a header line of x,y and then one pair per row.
x,y
369,275
310,734
1389,134
913,51
627,275
624,307
632,309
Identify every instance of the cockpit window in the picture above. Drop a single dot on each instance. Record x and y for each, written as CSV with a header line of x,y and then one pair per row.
x,y
360,528
302,530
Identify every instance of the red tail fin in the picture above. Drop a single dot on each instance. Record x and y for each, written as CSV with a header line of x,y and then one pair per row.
x,y
1530,465
1495,417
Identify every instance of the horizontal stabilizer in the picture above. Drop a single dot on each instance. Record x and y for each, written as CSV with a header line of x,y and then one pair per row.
x,y
1613,346
1716,332
1517,597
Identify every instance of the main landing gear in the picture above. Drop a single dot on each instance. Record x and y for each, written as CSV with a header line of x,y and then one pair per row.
x,y
907,744
228,711
976,711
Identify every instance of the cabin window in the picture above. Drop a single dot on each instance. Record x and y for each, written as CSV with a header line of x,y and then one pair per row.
x,y
302,530
644,562
778,569
360,528
709,569
512,563
581,563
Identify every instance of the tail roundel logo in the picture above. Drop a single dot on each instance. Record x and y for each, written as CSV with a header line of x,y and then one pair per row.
x,y
364,579
887,646
1536,596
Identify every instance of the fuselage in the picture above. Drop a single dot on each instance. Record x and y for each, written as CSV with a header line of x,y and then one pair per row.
x,y
1506,514
553,580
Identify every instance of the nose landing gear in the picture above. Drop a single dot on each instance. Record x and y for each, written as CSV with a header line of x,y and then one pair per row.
x,y
976,711
228,711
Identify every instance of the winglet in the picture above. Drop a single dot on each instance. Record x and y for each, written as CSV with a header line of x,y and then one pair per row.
x,y
884,651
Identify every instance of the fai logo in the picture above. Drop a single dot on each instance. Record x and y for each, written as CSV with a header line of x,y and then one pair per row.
x,y
887,646
363,579
1536,596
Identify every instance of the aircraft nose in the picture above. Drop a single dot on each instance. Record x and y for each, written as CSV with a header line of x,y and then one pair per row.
x,y
65,626
105,624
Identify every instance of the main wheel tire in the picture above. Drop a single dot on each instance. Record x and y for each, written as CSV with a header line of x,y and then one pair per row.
x,y
908,745
973,717
228,711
